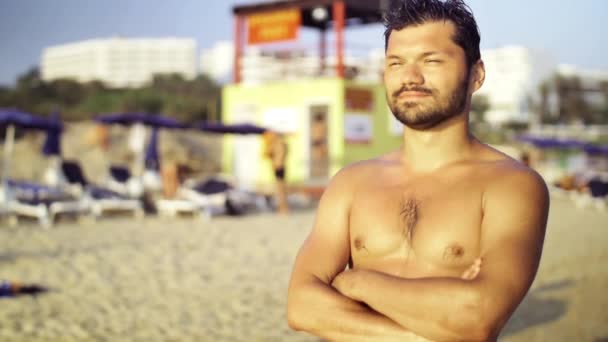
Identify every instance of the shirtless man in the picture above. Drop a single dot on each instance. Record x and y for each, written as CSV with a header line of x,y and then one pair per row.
x,y
443,236
277,152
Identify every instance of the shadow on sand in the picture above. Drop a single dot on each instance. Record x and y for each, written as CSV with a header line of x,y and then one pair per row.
x,y
538,308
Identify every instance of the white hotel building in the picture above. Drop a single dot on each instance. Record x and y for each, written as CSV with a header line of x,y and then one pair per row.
x,y
513,74
120,62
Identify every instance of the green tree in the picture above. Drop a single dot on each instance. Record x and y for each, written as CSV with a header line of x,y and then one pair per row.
x,y
571,97
6,97
479,106
603,111
66,92
170,94
142,100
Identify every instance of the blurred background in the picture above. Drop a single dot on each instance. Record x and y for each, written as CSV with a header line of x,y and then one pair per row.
x,y
164,111
546,75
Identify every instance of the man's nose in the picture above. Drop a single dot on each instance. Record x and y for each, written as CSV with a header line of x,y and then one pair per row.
x,y
411,74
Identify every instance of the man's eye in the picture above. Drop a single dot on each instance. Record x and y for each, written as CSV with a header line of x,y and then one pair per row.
x,y
433,61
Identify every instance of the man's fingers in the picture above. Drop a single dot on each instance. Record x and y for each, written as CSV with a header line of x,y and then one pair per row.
x,y
473,270
468,274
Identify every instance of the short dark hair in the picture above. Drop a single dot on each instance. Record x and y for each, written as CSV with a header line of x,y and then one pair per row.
x,y
404,13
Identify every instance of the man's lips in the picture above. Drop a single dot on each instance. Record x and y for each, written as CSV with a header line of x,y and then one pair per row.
x,y
412,94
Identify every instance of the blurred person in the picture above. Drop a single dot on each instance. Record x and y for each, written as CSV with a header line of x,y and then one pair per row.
x,y
319,135
276,151
99,136
318,148
170,179
525,158
439,240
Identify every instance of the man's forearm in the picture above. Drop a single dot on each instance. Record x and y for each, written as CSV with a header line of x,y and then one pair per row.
x,y
319,309
441,309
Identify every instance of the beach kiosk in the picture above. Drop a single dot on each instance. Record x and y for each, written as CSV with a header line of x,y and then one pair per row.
x,y
329,118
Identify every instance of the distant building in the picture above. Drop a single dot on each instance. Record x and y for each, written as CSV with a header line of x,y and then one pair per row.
x,y
513,75
120,62
217,62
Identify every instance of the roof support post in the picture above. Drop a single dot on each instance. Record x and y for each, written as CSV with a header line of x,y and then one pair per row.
x,y
322,51
239,30
339,14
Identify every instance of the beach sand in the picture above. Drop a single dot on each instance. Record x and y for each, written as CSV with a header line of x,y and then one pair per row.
x,y
226,279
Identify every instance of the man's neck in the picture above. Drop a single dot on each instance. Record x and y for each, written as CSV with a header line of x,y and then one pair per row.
x,y
428,150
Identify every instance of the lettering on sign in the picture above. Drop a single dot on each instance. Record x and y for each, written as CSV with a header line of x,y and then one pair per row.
x,y
273,26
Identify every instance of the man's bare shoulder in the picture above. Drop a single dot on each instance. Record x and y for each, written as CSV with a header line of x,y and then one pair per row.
x,y
511,180
504,169
353,174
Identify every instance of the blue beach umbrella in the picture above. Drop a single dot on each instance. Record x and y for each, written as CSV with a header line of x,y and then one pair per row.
x,y
151,158
52,143
601,150
17,118
547,142
243,128
151,120
11,118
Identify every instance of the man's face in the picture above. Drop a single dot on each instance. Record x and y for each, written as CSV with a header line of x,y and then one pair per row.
x,y
426,77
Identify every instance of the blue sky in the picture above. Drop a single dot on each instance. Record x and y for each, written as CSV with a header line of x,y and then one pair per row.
x,y
573,32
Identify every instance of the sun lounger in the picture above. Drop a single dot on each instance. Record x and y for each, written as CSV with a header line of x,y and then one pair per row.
x,y
219,195
38,201
99,199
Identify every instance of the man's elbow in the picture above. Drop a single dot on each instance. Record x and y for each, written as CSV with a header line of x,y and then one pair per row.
x,y
474,322
294,318
479,333
469,321
297,318
470,329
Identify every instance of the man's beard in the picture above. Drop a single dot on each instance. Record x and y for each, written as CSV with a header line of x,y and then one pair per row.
x,y
419,115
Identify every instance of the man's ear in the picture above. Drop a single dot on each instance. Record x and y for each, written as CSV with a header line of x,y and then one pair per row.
x,y
478,75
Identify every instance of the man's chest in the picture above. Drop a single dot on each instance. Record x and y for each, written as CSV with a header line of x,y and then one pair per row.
x,y
428,227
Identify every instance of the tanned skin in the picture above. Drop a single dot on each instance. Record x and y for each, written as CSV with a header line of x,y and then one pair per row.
x,y
443,236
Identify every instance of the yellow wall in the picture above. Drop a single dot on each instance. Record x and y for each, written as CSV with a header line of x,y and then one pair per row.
x,y
300,95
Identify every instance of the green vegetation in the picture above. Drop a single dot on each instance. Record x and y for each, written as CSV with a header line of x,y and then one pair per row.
x,y
169,94
568,100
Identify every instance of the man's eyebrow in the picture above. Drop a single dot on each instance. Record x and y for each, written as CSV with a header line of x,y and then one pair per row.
x,y
422,55
432,53
393,57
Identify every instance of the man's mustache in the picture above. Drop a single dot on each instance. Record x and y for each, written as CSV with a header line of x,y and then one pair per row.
x,y
416,89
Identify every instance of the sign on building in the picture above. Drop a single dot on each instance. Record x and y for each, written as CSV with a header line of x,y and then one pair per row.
x,y
273,26
358,123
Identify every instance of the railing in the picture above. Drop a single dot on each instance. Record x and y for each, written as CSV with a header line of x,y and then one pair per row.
x,y
295,64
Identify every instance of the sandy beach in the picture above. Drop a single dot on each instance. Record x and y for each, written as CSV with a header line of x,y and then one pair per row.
x,y
188,279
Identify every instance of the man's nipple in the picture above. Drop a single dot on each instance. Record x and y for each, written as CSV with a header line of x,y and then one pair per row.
x,y
359,244
453,252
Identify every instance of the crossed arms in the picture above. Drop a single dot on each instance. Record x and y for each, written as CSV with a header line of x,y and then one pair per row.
x,y
363,305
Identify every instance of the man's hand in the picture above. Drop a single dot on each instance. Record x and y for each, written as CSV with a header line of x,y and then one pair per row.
x,y
345,282
473,271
